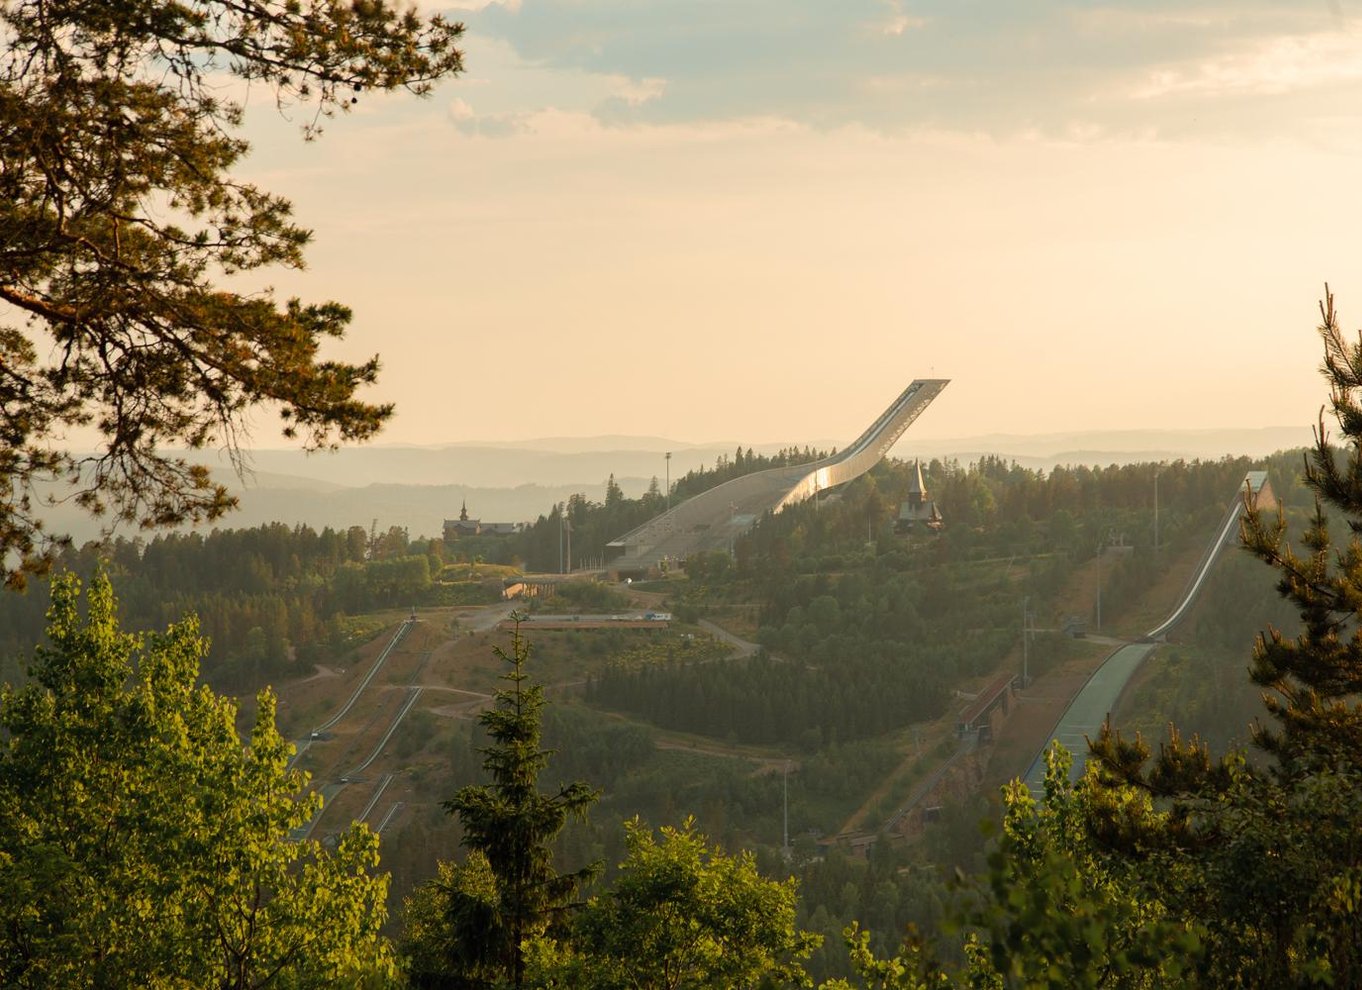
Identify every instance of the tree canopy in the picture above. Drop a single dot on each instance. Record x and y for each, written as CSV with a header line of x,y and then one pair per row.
x,y
682,916
467,928
141,844
120,221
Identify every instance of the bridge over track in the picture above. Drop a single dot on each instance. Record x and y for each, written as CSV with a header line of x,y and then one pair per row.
x,y
714,518
1090,707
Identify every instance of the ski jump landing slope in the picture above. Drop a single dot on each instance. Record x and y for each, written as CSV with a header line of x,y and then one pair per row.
x,y
1083,719
714,518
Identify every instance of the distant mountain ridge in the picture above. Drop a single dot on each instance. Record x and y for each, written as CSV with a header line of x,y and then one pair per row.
x,y
555,461
419,487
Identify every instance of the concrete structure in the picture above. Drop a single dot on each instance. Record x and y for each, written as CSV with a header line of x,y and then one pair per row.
x,y
978,715
713,519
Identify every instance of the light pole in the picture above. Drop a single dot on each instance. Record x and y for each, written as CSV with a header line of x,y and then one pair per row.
x,y
1156,510
1026,601
668,456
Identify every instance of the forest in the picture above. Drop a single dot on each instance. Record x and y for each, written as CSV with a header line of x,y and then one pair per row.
x,y
701,805
273,600
863,639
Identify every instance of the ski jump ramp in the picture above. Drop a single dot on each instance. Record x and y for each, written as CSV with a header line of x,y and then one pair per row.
x,y
713,519
1093,704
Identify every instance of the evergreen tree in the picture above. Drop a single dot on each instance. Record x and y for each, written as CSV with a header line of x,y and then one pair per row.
x,y
509,890
119,219
1266,853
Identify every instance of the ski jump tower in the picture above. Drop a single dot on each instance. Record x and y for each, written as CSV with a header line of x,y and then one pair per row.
x,y
714,518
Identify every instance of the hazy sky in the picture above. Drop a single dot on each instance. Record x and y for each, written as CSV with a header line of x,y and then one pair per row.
x,y
760,219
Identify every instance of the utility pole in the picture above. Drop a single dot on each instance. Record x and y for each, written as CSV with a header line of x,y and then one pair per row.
x,y
1026,600
1099,585
668,456
785,844
560,538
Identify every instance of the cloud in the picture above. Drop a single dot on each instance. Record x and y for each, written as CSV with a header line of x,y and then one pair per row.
x,y
1269,67
896,21
468,121
505,94
899,23
1061,67
459,7
636,92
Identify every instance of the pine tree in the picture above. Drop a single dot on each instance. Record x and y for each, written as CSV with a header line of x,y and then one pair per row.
x,y
1265,854
509,825
127,242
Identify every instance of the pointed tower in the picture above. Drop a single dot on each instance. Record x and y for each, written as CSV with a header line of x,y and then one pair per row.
x,y
918,510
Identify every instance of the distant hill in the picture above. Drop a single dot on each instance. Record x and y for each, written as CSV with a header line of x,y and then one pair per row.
x,y
421,509
419,487
1112,446
563,461
476,464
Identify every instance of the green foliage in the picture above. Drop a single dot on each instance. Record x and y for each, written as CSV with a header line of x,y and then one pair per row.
x,y
141,844
709,567
509,890
594,596
542,546
682,916
1051,913
877,648
271,599
452,928
1265,857
121,218
391,581
911,968
1057,914
881,634
727,468
665,649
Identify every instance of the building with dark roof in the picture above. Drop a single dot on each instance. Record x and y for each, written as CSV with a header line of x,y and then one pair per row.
x,y
463,526
918,511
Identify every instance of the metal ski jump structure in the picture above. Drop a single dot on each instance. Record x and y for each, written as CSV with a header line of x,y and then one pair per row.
x,y
714,518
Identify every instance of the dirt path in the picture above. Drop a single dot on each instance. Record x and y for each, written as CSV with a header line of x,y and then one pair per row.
x,y
744,647
766,764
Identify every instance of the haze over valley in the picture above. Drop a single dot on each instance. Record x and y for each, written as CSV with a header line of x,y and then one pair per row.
x,y
417,487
